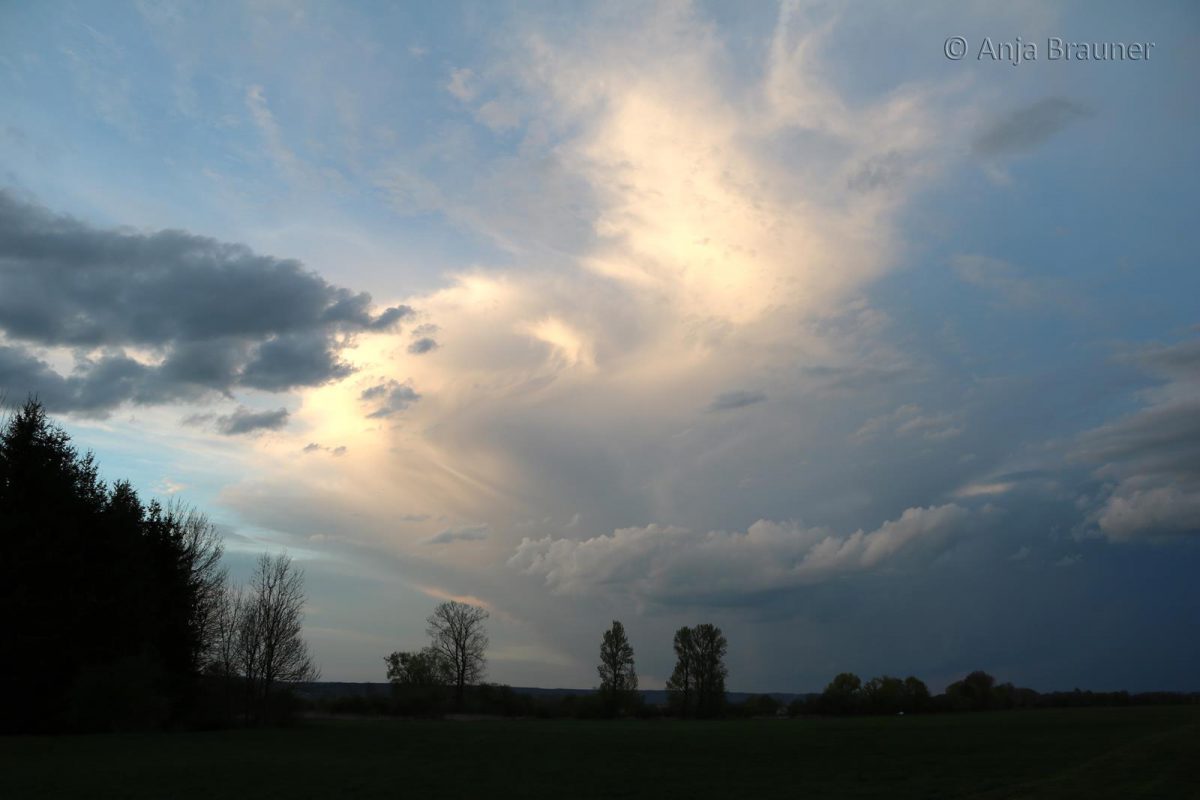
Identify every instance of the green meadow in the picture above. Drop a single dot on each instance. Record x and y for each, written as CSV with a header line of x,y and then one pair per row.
x,y
1061,753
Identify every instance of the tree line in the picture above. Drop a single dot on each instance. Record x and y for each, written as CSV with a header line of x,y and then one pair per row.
x,y
437,678
119,614
847,694
696,687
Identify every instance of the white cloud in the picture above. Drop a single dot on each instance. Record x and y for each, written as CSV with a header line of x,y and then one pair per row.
x,y
460,84
1161,510
659,563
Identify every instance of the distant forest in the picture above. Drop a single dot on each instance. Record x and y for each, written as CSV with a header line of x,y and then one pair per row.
x,y
119,615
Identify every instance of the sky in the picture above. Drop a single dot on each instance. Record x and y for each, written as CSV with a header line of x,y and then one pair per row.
x,y
767,315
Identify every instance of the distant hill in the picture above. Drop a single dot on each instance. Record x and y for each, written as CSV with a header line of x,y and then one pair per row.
x,y
327,690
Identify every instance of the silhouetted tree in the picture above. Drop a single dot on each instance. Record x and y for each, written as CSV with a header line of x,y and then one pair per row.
x,y
419,680
759,705
424,668
697,685
224,661
884,695
681,684
271,648
459,637
916,694
842,695
972,693
105,601
710,671
618,677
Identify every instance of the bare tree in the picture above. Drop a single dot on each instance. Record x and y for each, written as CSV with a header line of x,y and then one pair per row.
x,y
224,656
201,551
458,637
270,648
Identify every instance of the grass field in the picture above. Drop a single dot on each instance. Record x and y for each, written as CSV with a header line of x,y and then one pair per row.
x,y
1078,753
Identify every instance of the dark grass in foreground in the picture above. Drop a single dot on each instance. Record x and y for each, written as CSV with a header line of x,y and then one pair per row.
x,y
1078,753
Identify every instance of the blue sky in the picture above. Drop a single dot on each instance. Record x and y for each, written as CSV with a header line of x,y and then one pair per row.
x,y
772,317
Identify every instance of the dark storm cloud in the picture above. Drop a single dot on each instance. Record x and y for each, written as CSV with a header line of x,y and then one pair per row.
x,y
741,398
244,420
422,345
217,315
1023,129
389,398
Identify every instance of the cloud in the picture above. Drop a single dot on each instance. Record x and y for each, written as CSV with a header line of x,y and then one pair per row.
x,y
499,115
472,533
1023,129
168,486
672,563
161,317
314,447
283,157
1162,510
1177,362
460,86
244,420
422,345
389,398
1004,279
910,420
877,172
714,246
727,401
984,489
1151,458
